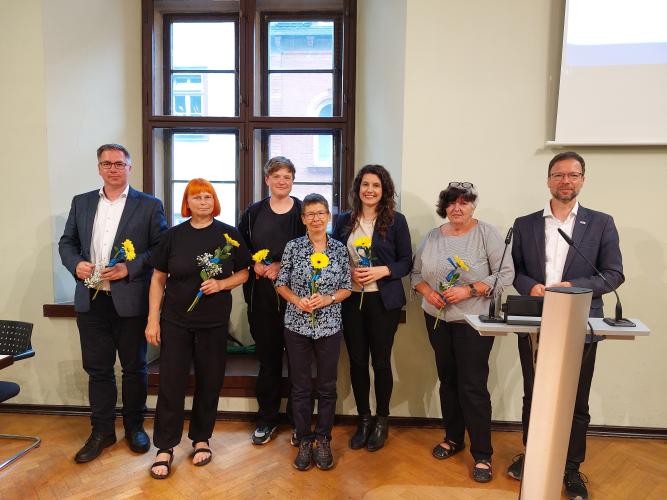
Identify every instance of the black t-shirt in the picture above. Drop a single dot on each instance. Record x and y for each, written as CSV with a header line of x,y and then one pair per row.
x,y
177,256
273,231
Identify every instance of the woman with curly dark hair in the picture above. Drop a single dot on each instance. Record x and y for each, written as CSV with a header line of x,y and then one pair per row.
x,y
380,251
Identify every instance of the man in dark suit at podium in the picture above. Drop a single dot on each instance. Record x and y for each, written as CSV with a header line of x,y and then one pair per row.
x,y
542,258
114,320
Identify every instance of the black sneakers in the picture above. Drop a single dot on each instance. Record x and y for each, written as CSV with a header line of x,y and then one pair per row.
x,y
263,434
322,454
575,487
304,458
515,471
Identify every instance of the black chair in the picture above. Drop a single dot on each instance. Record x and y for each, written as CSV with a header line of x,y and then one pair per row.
x,y
15,341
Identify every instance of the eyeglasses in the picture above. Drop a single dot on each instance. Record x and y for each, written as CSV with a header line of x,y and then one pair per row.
x,y
464,185
573,176
118,165
313,215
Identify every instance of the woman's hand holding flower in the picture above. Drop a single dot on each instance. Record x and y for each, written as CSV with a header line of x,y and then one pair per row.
x,y
368,275
260,269
435,299
211,286
457,294
272,271
304,305
318,301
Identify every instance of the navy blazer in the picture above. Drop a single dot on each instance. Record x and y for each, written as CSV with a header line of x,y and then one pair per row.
x,y
393,251
142,222
594,234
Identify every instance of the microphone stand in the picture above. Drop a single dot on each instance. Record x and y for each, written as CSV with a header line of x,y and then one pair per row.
x,y
491,317
618,319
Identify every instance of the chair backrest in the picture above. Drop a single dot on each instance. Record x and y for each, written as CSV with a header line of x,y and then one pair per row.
x,y
15,337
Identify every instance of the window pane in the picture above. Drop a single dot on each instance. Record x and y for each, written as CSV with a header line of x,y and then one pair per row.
x,y
211,156
203,94
299,94
203,46
226,195
301,45
312,154
301,190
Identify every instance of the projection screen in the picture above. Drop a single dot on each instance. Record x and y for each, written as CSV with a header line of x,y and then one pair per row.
x,y
613,82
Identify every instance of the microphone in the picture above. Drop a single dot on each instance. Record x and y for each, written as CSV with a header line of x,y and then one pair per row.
x,y
618,319
491,317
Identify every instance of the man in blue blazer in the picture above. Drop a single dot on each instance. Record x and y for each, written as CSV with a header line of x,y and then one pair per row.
x,y
542,258
115,319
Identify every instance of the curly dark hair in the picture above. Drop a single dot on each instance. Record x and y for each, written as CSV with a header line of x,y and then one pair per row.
x,y
386,206
451,194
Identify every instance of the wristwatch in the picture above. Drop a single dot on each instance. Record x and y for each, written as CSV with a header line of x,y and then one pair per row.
x,y
333,299
473,290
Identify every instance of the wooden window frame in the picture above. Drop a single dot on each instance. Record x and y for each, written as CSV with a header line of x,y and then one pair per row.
x,y
247,122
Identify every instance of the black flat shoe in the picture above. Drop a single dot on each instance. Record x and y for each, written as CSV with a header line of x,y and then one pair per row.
x,y
440,452
482,475
138,440
93,447
165,463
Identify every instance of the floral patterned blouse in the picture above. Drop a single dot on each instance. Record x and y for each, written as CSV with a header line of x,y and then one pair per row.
x,y
295,272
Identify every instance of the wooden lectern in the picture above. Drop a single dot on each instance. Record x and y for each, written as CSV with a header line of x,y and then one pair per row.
x,y
562,331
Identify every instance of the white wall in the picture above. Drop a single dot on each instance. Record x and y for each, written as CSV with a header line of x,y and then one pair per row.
x,y
480,94
446,90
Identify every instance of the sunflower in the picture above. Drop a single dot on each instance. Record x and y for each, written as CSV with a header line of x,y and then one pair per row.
x,y
260,255
461,264
363,241
128,247
319,260
231,240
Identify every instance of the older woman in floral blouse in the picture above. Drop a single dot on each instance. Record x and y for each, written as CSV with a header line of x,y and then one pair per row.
x,y
314,278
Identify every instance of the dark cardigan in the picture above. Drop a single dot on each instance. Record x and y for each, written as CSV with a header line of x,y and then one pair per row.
x,y
393,251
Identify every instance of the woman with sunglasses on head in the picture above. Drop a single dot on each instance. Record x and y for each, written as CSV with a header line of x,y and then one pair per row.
x,y
371,315
454,269
314,279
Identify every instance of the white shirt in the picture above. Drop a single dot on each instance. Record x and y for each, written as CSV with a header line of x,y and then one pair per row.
x,y
107,218
555,246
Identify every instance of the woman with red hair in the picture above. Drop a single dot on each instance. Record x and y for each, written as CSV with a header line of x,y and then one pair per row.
x,y
192,326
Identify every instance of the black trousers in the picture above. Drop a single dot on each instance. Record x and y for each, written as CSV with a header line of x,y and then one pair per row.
x,y
267,323
102,333
576,451
326,351
462,360
370,331
180,348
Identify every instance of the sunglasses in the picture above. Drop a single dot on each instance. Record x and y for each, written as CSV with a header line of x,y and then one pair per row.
x,y
464,185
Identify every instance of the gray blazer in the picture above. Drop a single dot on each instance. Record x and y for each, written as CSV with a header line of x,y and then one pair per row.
x,y
142,221
594,234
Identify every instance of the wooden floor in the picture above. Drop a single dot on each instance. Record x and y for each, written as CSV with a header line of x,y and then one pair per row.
x,y
404,469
